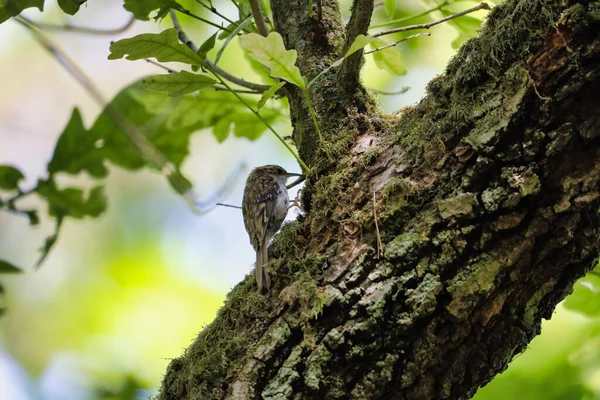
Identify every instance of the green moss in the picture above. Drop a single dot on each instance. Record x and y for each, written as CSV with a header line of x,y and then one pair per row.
x,y
448,110
370,156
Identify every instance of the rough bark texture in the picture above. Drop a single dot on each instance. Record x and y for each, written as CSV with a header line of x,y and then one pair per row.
x,y
486,199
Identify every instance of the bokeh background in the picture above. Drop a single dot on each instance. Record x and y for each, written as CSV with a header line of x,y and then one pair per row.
x,y
124,293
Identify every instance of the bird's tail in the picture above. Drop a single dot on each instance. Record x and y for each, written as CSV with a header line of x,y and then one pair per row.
x,y
263,281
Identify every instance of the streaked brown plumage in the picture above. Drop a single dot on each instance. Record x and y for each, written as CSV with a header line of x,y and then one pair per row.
x,y
264,207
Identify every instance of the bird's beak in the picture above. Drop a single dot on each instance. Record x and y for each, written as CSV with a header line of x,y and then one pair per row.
x,y
297,181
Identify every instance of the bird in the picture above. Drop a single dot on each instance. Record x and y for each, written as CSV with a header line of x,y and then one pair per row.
x,y
264,207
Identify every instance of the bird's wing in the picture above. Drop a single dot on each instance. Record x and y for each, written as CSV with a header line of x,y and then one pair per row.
x,y
262,196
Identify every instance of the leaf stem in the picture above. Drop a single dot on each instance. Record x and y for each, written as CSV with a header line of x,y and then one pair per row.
x,y
240,98
411,17
79,29
398,41
482,6
238,81
313,115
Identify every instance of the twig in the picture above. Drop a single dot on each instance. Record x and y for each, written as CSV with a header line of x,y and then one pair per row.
x,y
384,93
146,149
159,65
259,18
398,41
255,112
482,6
50,241
79,29
238,81
224,89
216,12
409,17
206,21
228,205
20,195
358,24
379,243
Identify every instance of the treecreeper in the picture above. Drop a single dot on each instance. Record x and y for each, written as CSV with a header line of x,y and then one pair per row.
x,y
264,206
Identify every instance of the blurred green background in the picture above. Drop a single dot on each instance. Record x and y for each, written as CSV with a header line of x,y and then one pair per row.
x,y
122,294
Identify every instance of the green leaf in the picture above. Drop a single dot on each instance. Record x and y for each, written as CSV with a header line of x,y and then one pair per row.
x,y
230,36
78,150
7,268
177,84
71,201
585,298
219,110
221,129
388,59
249,126
141,9
71,6
207,46
12,8
33,217
148,112
271,53
48,245
179,183
360,42
231,27
268,94
164,46
10,177
467,28
390,7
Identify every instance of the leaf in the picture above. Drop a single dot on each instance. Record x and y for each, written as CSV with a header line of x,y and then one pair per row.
x,y
177,84
268,94
467,28
149,113
231,27
360,42
250,126
219,110
33,217
207,46
10,177
271,53
585,298
12,8
390,7
234,31
8,268
164,46
71,201
221,129
388,59
78,150
141,9
70,6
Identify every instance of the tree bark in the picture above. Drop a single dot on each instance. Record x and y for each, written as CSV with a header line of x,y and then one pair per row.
x,y
442,235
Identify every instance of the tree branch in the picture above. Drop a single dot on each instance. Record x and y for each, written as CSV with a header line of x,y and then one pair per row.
x,y
358,25
231,78
259,18
486,207
482,6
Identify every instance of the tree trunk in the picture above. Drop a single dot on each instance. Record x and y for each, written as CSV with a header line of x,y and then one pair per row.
x,y
442,235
